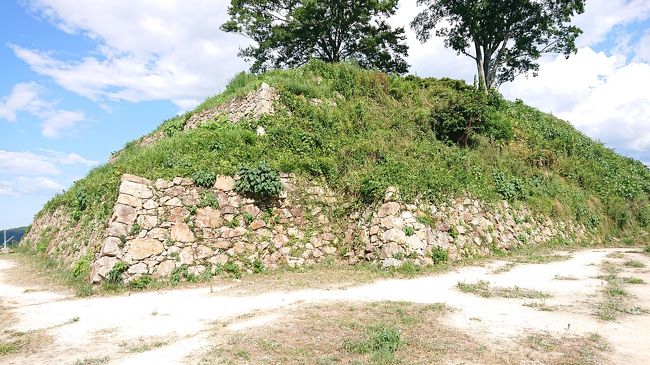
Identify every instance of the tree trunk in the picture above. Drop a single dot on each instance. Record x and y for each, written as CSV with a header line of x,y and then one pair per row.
x,y
480,68
487,71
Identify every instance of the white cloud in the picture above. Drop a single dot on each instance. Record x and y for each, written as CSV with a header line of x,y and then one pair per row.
x,y
23,97
55,124
602,16
601,95
147,50
26,97
45,162
29,185
173,50
642,49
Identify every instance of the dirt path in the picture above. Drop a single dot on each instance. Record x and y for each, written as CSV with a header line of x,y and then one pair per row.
x,y
177,326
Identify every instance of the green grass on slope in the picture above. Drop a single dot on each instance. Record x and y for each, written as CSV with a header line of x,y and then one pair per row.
x,y
372,130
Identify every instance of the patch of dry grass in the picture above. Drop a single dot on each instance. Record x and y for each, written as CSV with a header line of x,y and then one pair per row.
x,y
635,264
562,277
386,333
343,333
540,256
541,306
483,289
504,268
576,350
93,361
144,344
16,342
615,300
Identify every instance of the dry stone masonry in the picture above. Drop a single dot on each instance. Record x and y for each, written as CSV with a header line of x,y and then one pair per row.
x,y
159,227
162,225
251,106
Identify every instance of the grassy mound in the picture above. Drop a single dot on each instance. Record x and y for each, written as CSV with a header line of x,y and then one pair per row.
x,y
362,131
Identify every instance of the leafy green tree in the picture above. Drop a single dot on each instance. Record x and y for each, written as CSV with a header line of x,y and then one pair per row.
x,y
288,33
504,37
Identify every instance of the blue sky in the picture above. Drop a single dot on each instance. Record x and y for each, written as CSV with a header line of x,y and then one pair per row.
x,y
80,79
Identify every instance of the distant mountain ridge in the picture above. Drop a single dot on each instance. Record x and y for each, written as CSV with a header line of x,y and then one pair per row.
x,y
13,235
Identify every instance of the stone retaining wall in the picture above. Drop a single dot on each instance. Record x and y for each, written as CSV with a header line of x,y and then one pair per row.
x,y
161,227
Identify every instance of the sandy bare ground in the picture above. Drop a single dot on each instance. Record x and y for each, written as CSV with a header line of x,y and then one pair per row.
x,y
177,326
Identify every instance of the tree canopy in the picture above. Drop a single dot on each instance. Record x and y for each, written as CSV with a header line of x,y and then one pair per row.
x,y
504,37
288,33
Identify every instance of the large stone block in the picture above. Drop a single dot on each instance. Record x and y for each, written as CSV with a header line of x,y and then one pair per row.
x,y
208,218
124,214
101,268
142,248
135,189
130,200
136,179
225,183
388,209
117,229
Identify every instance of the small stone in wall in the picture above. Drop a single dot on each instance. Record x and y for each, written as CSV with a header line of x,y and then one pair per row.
x,y
390,249
187,256
257,224
328,236
181,232
388,209
157,233
164,269
218,260
222,244
136,179
391,194
178,214
150,204
147,221
390,262
174,202
295,261
161,184
203,252
251,209
111,247
196,270
394,235
415,244
139,268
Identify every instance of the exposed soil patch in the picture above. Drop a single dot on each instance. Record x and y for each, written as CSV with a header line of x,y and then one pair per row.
x,y
386,321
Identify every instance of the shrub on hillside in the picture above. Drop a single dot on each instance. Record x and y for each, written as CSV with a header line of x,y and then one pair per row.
x,y
469,112
260,182
79,203
204,179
